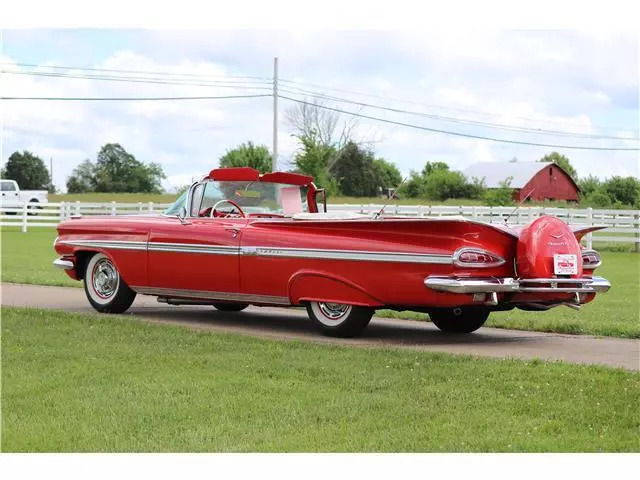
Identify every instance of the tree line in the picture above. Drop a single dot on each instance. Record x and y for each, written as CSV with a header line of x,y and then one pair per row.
x,y
329,151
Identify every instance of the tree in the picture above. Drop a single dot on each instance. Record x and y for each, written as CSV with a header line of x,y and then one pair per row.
x,y
28,170
312,122
588,185
83,178
499,196
431,167
248,155
623,190
116,171
354,170
442,184
314,159
386,174
322,136
563,162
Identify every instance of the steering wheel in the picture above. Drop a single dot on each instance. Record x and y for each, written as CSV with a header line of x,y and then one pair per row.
x,y
230,202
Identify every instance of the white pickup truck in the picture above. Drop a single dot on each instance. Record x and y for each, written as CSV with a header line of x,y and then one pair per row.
x,y
13,197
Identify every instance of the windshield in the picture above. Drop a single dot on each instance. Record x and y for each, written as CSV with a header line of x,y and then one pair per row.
x,y
258,198
175,208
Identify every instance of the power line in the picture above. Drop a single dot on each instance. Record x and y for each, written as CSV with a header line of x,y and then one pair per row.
x,y
79,99
464,110
498,126
260,86
459,134
144,72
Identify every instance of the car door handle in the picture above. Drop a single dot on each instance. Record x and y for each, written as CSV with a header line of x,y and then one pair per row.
x,y
234,231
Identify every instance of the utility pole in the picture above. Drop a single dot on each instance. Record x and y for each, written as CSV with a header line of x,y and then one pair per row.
x,y
51,170
274,162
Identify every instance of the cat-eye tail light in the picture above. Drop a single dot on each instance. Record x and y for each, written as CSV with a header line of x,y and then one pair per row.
x,y
476,258
591,259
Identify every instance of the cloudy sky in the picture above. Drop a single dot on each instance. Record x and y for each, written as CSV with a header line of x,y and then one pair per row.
x,y
556,87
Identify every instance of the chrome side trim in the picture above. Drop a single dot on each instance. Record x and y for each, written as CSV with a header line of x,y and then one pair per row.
x,y
359,255
265,251
112,244
205,294
460,251
64,264
489,285
193,248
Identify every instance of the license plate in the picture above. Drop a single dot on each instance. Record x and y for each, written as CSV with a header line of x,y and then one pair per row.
x,y
565,264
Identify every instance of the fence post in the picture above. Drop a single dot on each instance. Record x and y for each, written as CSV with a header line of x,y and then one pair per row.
x,y
150,207
77,212
419,212
590,222
139,207
61,214
490,214
113,209
25,211
636,219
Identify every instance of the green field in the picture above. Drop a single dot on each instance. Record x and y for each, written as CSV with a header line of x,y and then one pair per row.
x,y
96,383
27,257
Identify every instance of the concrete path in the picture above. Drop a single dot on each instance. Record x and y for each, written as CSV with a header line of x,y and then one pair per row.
x,y
291,323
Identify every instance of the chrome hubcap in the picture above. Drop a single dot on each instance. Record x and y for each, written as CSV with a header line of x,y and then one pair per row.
x,y
333,311
104,278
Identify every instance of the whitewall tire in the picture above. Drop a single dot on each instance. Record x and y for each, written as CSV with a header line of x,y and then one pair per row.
x,y
339,320
106,291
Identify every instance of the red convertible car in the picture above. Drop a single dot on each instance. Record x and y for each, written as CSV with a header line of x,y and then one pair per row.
x,y
237,238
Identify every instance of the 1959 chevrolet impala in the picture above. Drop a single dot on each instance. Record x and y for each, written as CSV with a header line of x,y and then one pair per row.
x,y
237,238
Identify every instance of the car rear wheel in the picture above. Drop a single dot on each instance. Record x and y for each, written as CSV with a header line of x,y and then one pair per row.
x,y
338,319
230,307
460,319
106,291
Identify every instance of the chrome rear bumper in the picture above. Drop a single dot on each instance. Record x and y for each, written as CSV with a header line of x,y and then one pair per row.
x,y
514,285
63,264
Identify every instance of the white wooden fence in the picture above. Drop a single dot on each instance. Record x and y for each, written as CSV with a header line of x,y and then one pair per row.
x,y
623,225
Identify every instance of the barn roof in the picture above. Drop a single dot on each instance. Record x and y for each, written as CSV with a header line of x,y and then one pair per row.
x,y
496,172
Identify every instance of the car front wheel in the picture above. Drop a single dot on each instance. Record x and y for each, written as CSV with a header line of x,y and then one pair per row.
x,y
459,319
338,319
106,291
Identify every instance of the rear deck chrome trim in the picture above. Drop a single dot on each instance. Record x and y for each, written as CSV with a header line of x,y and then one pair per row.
x,y
209,295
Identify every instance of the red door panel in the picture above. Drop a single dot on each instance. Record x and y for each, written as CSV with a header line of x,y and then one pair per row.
x,y
202,255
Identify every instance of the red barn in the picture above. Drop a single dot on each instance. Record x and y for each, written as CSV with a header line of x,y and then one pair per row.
x,y
540,180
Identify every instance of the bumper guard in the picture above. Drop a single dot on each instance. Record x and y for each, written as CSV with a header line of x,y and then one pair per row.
x,y
63,264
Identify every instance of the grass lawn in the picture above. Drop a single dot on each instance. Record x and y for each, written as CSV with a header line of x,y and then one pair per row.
x,y
27,257
93,383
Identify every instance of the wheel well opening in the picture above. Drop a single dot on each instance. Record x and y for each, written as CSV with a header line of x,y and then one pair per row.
x,y
82,257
